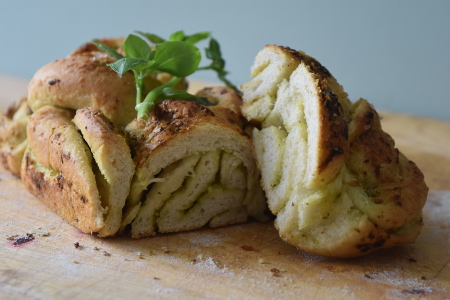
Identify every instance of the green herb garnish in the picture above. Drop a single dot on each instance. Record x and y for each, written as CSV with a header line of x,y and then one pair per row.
x,y
177,56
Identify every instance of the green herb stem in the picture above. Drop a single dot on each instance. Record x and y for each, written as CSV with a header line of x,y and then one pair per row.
x,y
153,98
139,87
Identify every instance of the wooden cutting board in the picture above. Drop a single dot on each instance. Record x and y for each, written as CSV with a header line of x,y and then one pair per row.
x,y
246,261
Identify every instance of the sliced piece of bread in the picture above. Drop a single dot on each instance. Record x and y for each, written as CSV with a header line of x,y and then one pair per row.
x,y
333,177
194,167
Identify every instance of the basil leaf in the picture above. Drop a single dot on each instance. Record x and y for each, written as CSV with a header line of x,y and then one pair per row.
x,y
177,36
213,52
135,46
171,93
153,38
195,38
145,67
177,58
126,64
108,50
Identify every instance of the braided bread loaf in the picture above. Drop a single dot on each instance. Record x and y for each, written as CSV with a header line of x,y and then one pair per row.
x,y
104,171
335,180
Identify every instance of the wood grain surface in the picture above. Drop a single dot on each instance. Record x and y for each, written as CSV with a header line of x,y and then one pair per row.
x,y
249,261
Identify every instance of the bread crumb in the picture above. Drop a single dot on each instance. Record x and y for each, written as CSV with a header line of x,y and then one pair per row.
x,y
12,237
40,233
275,272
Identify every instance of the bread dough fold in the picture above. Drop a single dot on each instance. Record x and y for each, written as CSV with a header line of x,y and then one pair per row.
x,y
83,173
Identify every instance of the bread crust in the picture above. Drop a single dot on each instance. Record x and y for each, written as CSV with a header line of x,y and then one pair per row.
x,y
172,118
223,97
84,80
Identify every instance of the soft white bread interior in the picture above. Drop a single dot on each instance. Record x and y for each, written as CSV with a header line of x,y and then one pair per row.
x,y
335,180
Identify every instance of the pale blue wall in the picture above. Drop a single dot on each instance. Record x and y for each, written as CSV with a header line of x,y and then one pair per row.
x,y
394,53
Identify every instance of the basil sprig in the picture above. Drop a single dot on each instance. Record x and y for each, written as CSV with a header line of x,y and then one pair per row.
x,y
177,56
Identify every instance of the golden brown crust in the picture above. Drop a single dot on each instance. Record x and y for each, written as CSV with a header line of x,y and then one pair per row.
x,y
395,185
84,80
328,132
223,97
